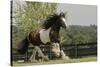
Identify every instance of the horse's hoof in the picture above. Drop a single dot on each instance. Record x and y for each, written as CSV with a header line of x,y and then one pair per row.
x,y
66,57
46,59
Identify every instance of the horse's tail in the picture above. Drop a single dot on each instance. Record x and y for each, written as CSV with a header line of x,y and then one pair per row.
x,y
23,46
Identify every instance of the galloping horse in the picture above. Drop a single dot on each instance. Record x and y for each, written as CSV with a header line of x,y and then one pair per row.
x,y
48,34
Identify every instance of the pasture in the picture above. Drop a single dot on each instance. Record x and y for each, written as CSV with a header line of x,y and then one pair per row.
x,y
74,60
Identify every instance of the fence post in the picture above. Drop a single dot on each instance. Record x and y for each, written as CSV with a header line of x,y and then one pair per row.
x,y
76,50
26,56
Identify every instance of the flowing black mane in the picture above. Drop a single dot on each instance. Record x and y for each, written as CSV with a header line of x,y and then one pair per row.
x,y
50,20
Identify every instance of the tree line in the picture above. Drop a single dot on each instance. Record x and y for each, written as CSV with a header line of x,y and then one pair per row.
x,y
79,34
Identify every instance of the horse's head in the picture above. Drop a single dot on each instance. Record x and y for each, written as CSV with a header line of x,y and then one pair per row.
x,y
56,20
55,49
62,20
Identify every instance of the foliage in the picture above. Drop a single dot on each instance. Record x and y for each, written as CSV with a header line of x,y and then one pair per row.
x,y
79,34
27,16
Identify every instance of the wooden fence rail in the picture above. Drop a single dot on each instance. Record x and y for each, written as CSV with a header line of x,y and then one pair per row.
x,y
71,50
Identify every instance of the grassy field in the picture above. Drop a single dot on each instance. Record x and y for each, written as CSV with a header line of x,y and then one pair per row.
x,y
86,59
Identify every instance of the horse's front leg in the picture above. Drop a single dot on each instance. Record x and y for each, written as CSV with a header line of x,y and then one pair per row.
x,y
41,54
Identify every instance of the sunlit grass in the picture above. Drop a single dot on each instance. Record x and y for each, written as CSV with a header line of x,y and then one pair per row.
x,y
86,59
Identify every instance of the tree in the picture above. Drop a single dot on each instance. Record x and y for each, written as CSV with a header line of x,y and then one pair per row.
x,y
28,15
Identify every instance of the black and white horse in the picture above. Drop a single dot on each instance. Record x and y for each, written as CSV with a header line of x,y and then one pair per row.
x,y
48,34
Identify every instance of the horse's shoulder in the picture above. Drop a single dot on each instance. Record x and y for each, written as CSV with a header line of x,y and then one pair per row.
x,y
35,33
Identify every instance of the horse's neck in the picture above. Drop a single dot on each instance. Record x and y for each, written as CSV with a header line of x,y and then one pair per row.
x,y
55,28
54,34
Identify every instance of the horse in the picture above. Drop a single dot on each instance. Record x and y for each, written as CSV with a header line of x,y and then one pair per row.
x,y
47,34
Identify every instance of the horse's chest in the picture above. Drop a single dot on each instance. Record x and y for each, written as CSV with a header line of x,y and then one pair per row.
x,y
44,35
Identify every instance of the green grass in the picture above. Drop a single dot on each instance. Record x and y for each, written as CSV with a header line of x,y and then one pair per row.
x,y
85,59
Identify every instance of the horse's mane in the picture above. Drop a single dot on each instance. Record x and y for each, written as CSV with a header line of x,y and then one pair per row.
x,y
50,20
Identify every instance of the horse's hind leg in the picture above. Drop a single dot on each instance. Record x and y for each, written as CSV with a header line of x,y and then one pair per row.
x,y
39,52
32,58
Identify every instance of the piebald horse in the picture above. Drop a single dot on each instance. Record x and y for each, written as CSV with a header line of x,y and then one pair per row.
x,y
48,34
